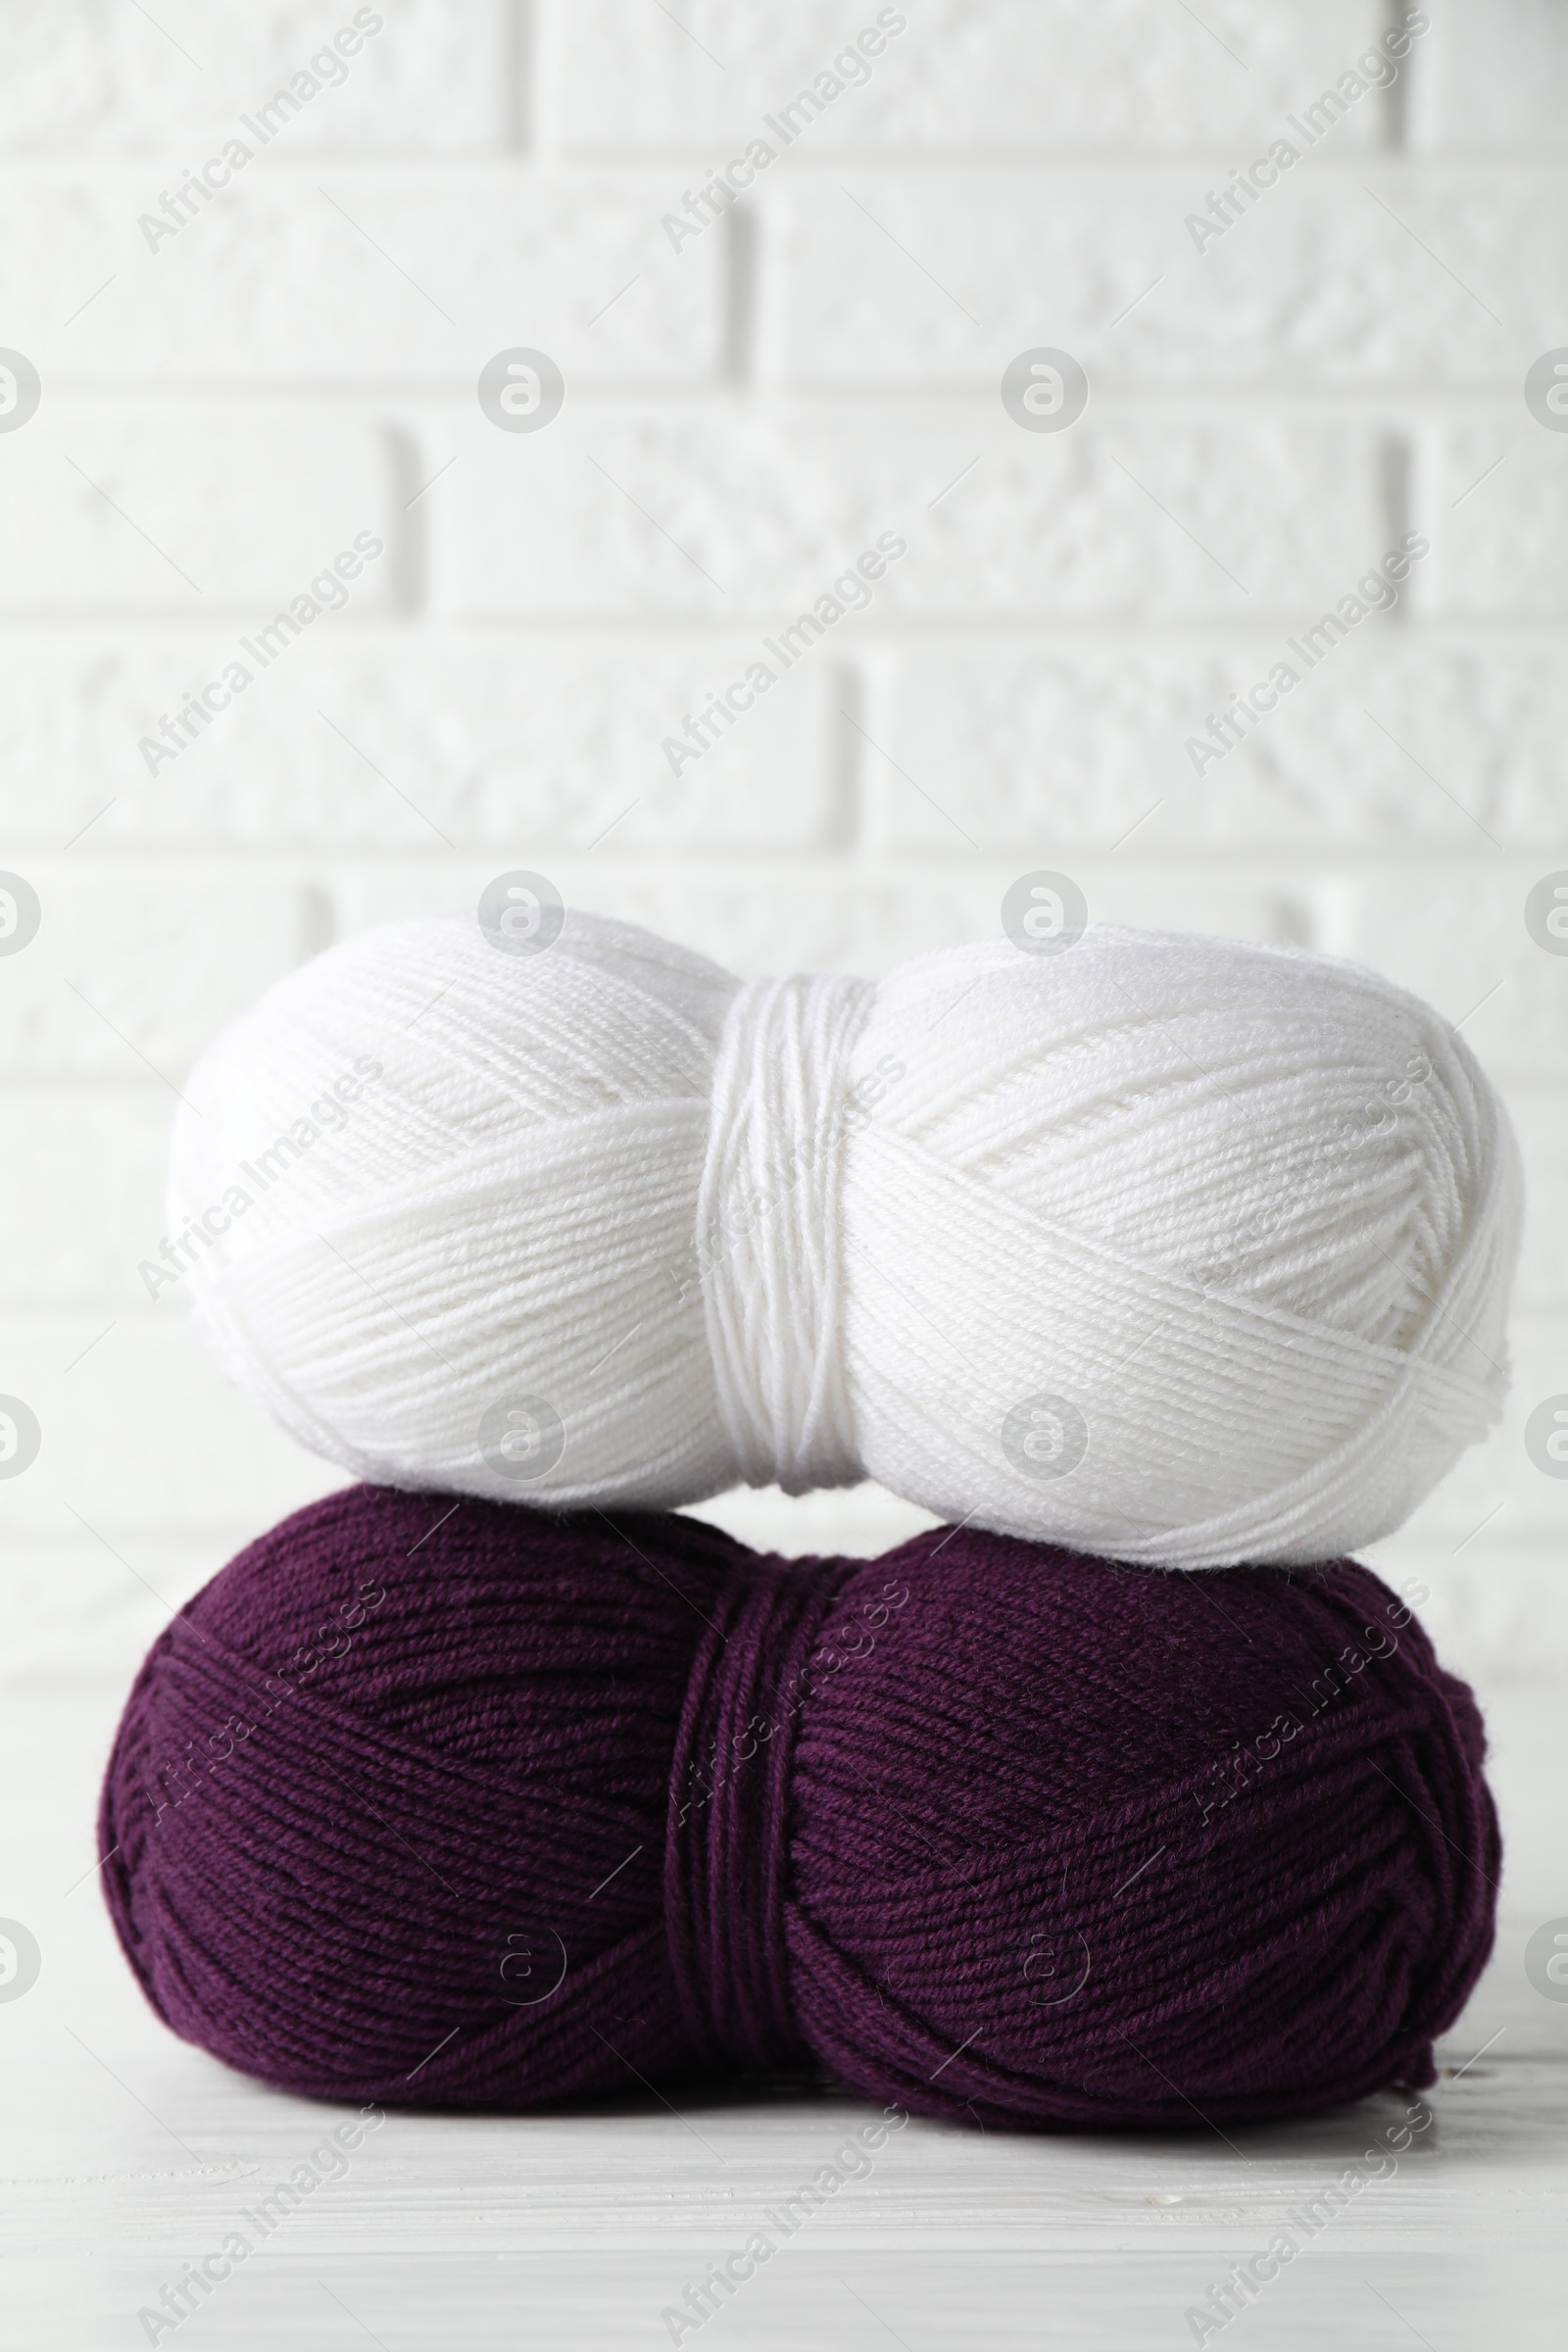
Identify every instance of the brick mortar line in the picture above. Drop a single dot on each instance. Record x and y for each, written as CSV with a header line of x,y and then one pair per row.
x,y
611,167
518,631
1421,635
303,865
383,405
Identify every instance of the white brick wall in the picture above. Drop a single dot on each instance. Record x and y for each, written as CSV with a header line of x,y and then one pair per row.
x,y
225,407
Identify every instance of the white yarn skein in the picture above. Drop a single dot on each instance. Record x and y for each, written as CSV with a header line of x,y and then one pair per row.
x,y
1174,1250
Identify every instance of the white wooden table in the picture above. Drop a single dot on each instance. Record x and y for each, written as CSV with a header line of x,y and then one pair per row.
x,y
124,2155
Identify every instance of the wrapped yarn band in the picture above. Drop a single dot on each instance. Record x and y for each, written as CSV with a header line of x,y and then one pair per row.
x,y
472,1806
726,1860
768,1231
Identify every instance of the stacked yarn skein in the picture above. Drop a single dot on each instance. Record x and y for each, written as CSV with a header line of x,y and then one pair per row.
x,y
1171,1250
479,1807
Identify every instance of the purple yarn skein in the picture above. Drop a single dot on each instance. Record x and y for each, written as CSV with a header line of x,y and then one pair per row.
x,y
480,1809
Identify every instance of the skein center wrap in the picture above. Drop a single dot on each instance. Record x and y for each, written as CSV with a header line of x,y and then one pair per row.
x,y
769,1229
727,1865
